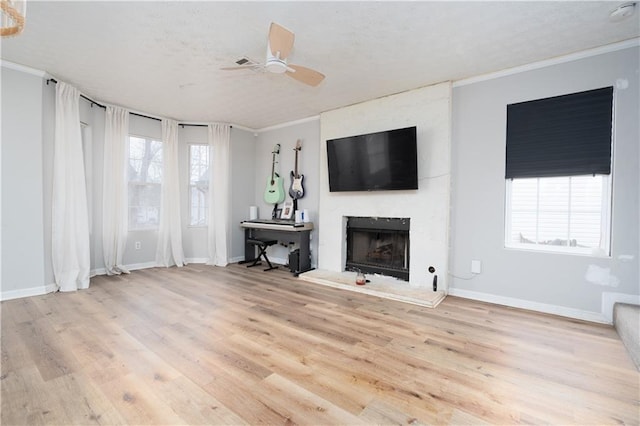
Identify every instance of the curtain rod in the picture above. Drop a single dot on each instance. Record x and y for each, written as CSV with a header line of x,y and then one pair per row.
x,y
53,80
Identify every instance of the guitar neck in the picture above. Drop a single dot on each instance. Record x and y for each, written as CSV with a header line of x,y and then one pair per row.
x,y
273,168
297,150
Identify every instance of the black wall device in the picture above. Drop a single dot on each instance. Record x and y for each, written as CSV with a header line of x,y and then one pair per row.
x,y
435,278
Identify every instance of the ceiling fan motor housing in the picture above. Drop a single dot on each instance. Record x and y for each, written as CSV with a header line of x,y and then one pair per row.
x,y
276,65
273,63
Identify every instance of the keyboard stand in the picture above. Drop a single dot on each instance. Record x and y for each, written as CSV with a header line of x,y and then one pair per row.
x,y
283,232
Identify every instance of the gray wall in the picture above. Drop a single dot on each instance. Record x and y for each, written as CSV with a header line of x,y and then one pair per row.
x,y
308,165
22,184
48,139
553,282
243,175
94,117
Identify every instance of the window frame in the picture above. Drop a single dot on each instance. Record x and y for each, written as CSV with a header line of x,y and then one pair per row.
x,y
155,227
606,224
190,186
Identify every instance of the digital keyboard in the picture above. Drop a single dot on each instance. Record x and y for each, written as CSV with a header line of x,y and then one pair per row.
x,y
275,221
276,224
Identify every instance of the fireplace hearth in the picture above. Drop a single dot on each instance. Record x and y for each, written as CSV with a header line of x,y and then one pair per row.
x,y
378,245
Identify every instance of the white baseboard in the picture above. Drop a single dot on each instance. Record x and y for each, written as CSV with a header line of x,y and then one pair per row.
x,y
131,267
98,271
609,299
196,260
144,265
533,306
236,259
27,292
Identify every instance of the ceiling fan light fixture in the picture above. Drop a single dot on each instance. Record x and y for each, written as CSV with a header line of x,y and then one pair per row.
x,y
276,66
622,12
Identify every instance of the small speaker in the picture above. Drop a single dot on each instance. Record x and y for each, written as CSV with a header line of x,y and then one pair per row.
x,y
294,260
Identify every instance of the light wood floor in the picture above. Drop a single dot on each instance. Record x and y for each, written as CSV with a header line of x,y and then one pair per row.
x,y
205,345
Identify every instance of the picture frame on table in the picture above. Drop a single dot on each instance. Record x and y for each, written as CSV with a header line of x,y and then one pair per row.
x,y
287,211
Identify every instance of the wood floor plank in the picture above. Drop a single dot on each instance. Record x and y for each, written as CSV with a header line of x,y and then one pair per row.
x,y
237,345
14,353
47,350
137,403
297,367
192,403
246,400
27,400
183,359
94,408
302,406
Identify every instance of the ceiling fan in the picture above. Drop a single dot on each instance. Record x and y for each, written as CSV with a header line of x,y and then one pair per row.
x,y
279,46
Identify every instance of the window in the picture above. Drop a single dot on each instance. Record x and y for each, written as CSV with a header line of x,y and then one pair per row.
x,y
558,168
198,184
145,182
568,214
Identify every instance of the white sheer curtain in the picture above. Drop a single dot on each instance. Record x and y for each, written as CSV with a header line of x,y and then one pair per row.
x,y
219,135
115,190
169,250
70,220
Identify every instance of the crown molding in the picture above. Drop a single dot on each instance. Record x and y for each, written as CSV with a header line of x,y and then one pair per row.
x,y
22,68
634,42
288,124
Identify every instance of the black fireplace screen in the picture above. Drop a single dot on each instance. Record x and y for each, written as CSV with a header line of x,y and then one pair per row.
x,y
378,245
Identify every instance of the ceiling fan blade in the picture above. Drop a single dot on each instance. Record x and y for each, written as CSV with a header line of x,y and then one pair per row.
x,y
305,75
280,40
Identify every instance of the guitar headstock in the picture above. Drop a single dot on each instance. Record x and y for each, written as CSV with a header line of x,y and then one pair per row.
x,y
298,145
276,149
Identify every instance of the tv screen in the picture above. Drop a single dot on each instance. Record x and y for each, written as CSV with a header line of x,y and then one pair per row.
x,y
374,162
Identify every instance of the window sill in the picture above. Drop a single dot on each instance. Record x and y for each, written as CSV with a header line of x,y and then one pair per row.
x,y
596,253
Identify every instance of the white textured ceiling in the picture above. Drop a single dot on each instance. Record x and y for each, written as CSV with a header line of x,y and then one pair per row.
x,y
164,58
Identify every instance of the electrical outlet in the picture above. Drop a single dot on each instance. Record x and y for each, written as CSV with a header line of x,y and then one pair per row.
x,y
476,266
138,245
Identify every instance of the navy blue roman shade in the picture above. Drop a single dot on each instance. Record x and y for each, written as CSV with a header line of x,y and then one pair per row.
x,y
565,135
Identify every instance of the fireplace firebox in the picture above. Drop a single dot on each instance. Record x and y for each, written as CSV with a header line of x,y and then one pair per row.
x,y
378,245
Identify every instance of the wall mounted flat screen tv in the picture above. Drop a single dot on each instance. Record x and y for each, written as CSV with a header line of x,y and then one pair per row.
x,y
379,161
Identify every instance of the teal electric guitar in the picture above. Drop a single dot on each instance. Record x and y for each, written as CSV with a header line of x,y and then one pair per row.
x,y
274,193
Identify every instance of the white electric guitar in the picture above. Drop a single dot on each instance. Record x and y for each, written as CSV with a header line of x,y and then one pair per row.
x,y
296,191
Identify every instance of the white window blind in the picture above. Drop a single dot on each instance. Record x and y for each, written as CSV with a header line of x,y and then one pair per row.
x,y
569,214
198,184
145,180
